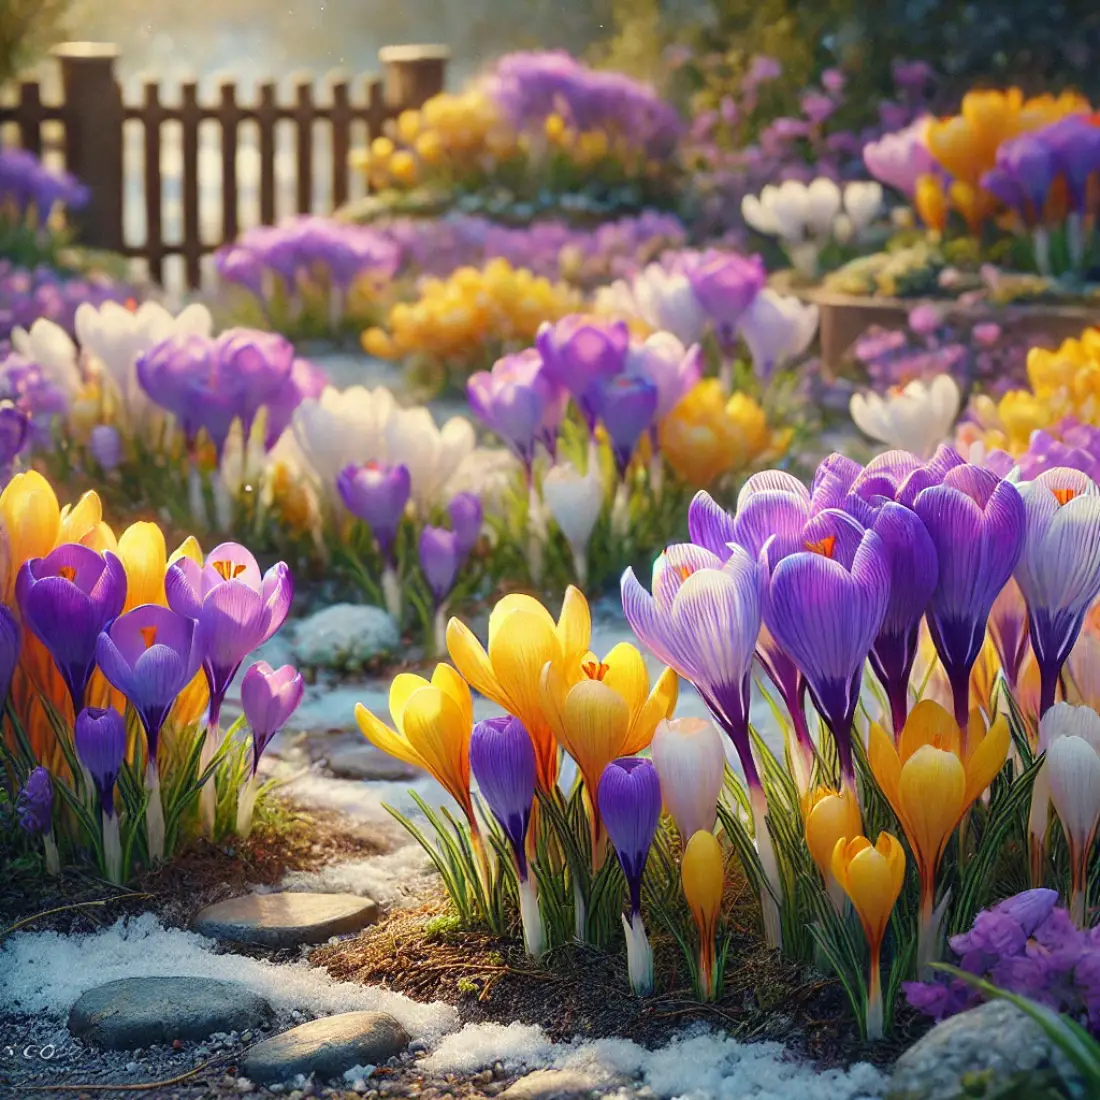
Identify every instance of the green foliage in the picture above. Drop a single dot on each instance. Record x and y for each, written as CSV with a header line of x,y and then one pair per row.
x,y
27,29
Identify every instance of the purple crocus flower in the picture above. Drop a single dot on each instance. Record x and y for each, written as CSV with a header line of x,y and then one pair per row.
x,y
825,598
150,654
726,284
100,738
67,598
34,804
502,760
626,407
105,444
440,558
14,432
629,797
260,362
466,517
377,494
703,619
1074,142
10,648
663,361
911,560
901,158
977,523
269,698
305,381
515,400
1059,568
236,608
579,350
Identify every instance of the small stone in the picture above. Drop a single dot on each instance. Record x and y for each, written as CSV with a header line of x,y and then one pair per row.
x,y
285,920
245,1085
132,1067
551,1084
246,1037
366,762
482,1078
136,1012
990,1044
345,634
328,1047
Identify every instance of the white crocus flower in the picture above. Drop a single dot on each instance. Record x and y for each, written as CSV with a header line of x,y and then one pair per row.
x,y
664,300
1071,737
823,201
777,329
51,347
789,206
431,454
917,418
758,216
575,502
690,759
862,203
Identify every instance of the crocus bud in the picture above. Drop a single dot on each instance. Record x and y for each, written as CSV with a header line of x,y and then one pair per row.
x,y
269,698
440,558
575,502
703,876
106,446
34,806
691,763
376,494
100,737
466,516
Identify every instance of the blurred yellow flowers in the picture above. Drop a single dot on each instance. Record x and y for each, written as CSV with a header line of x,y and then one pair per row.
x,y
872,877
931,779
708,435
703,877
523,639
472,313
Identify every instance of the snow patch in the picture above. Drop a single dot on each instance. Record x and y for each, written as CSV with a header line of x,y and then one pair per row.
x,y
394,879
697,1065
44,973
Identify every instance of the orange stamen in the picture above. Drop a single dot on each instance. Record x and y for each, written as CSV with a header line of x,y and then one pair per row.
x,y
227,570
149,636
826,547
67,572
131,304
595,670
1064,496
684,571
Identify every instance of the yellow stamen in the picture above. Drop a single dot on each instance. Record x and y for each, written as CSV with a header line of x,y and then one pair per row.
x,y
149,636
1064,496
595,670
826,547
67,572
227,570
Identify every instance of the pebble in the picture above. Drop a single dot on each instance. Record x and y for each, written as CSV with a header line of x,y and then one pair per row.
x,y
285,920
344,634
551,1084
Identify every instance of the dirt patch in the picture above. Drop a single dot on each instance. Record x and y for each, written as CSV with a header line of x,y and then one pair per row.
x,y
579,990
286,839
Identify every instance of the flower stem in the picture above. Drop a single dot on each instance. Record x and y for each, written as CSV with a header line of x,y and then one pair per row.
x,y
1078,886
53,856
208,796
534,931
112,849
874,995
246,804
639,955
391,593
773,932
927,932
154,814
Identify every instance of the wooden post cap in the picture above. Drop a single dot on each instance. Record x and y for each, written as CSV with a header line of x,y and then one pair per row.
x,y
86,51
401,55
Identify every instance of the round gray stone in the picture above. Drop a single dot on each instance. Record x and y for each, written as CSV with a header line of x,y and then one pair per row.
x,y
285,920
328,1047
366,762
345,634
989,1045
552,1084
140,1012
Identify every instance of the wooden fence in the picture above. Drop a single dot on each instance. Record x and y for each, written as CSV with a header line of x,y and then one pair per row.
x,y
94,115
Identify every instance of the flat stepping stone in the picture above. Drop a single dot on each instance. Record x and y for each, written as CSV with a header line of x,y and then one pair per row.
x,y
286,920
141,1012
366,762
328,1047
552,1084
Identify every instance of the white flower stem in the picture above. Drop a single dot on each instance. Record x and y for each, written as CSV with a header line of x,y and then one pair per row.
x,y
593,455
154,814
391,593
656,475
534,932
620,511
439,630
580,565
770,864
335,308
725,376
53,856
112,849
639,955
208,796
536,532
1040,240
246,804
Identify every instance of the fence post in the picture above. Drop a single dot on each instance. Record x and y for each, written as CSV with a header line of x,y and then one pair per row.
x,y
413,74
94,118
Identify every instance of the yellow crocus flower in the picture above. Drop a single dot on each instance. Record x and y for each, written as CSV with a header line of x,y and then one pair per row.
x,y
523,638
931,779
830,816
872,877
32,518
930,200
703,878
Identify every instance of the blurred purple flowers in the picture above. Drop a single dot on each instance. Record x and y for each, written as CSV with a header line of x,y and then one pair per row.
x,y
26,184
34,804
1026,945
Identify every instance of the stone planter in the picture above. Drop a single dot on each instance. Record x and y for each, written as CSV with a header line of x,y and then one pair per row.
x,y
845,318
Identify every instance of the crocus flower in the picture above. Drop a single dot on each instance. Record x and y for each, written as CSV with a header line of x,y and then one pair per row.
x,y
100,739
872,877
917,418
432,726
931,779
377,494
269,698
578,350
629,798
10,646
977,523
1071,736
502,760
901,158
1008,629
236,608
777,330
626,407
67,598
465,513
605,712
575,501
663,299
691,765
726,284
523,637
830,816
826,595
105,445
1059,569
668,365
703,878
439,560
34,811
